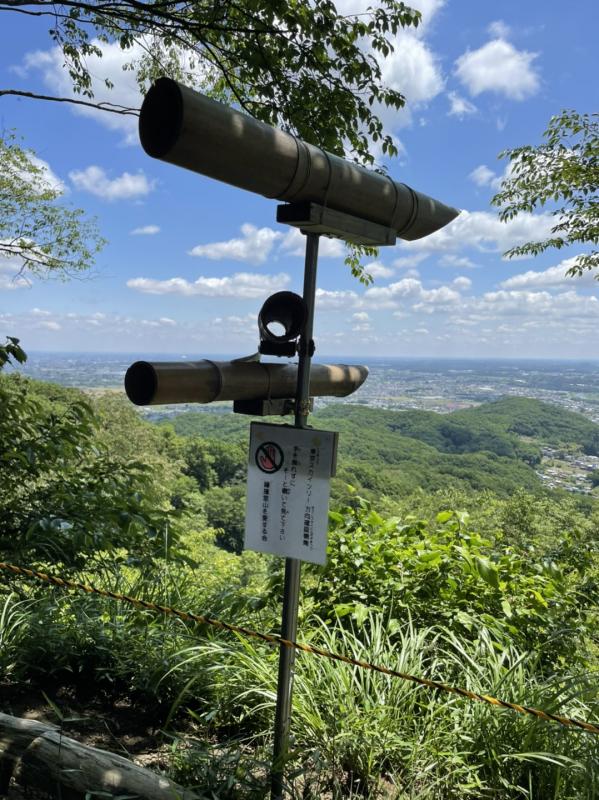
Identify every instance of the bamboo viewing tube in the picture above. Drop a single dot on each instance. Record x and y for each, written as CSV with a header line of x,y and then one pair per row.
x,y
154,383
189,130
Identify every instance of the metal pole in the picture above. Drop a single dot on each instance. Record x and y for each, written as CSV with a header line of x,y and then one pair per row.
x,y
292,565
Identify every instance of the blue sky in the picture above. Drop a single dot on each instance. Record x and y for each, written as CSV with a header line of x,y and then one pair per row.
x,y
190,261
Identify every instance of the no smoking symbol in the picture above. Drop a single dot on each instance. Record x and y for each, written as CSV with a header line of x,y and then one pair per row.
x,y
269,457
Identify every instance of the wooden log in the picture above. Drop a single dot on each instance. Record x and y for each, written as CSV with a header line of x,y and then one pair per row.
x,y
37,755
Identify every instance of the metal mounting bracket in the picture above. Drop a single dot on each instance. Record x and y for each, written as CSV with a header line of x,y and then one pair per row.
x,y
270,408
314,218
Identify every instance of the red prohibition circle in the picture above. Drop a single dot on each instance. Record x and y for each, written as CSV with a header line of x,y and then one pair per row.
x,y
269,457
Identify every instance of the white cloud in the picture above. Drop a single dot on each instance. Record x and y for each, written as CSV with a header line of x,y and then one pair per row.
x,y
163,322
409,261
378,270
10,279
240,285
461,262
459,106
331,248
254,246
294,244
440,299
413,70
110,67
554,276
485,232
336,299
8,283
462,283
348,7
428,9
146,230
48,176
94,180
93,330
534,304
521,312
498,67
410,291
482,176
388,296
236,325
361,322
96,320
499,29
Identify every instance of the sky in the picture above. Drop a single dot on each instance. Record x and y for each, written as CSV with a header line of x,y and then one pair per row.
x,y
190,261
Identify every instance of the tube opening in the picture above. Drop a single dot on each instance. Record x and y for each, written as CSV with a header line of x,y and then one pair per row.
x,y
282,317
161,118
141,383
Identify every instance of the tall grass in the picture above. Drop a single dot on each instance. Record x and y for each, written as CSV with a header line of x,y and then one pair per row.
x,y
14,616
360,732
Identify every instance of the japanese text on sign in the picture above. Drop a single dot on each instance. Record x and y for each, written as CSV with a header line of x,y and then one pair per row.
x,y
288,490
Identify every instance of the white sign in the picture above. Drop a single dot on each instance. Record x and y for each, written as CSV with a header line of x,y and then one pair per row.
x,y
289,478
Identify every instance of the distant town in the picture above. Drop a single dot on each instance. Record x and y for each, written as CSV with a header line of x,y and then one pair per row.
x,y
448,385
569,471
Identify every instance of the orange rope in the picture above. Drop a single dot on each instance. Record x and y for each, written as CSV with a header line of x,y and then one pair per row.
x,y
188,616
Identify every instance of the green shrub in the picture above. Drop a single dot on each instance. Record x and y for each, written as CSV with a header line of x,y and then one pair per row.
x,y
444,573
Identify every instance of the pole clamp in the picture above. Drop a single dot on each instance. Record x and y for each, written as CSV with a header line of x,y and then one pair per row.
x,y
306,407
302,350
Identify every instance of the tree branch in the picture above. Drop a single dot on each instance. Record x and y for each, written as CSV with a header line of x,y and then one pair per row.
x,y
111,107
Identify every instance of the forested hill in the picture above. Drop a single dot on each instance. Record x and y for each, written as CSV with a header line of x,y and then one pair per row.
x,y
545,422
493,446
513,427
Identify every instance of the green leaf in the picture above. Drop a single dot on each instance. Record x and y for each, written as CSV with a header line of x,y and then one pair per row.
x,y
487,571
343,609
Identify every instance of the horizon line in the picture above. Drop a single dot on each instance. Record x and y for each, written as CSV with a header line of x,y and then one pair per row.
x,y
230,356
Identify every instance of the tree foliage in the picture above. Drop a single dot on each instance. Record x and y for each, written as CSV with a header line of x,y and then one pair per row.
x,y
66,497
494,446
11,351
39,235
302,64
563,170
594,478
225,512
